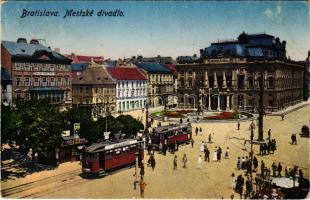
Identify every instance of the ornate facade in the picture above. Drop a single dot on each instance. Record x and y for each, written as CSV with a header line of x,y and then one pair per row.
x,y
37,71
229,76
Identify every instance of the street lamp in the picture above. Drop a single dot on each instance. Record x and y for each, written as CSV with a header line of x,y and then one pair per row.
x,y
261,104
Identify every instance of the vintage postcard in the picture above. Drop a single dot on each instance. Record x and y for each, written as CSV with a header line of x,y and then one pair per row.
x,y
155,99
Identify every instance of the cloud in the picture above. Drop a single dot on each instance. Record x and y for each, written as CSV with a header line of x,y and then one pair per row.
x,y
273,13
268,13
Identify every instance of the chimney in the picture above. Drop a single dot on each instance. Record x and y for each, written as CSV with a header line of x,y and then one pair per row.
x,y
34,41
21,40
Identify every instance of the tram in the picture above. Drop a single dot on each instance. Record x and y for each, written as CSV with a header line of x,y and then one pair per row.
x,y
180,133
110,155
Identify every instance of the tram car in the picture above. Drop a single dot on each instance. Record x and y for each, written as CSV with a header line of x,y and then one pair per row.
x,y
111,155
180,133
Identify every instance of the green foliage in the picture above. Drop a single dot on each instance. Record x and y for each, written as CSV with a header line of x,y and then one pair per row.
x,y
38,125
130,126
35,125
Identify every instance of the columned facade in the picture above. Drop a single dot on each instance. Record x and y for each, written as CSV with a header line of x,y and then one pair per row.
x,y
235,84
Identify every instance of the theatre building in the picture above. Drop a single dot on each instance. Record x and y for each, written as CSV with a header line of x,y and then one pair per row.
x,y
229,74
36,71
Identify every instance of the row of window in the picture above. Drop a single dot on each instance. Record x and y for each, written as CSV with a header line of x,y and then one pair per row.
x,y
96,90
131,83
160,78
240,82
46,81
41,67
133,93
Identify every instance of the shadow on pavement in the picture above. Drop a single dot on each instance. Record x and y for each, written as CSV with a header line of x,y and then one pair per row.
x,y
15,165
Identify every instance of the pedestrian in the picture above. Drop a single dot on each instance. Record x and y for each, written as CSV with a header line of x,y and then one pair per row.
x,y
202,146
192,142
199,162
219,153
255,163
279,169
175,163
282,117
184,160
248,187
142,187
153,163
210,138
262,168
165,148
238,124
295,138
239,185
243,162
207,155
215,154
269,134
200,130
160,147
227,152
238,163
233,181
181,121
274,169
196,131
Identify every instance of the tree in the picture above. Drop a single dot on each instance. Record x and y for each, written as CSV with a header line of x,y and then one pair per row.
x,y
36,125
130,126
82,115
10,124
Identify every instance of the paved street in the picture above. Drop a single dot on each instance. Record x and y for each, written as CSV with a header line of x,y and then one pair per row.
x,y
212,181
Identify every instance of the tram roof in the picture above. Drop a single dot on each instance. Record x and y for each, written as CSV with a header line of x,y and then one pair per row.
x,y
170,127
102,146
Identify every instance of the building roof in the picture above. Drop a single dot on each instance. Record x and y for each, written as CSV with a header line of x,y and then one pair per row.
x,y
126,73
87,59
153,68
172,68
29,50
94,75
223,48
79,66
5,76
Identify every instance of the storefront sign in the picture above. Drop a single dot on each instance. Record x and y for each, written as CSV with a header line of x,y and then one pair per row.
x,y
44,73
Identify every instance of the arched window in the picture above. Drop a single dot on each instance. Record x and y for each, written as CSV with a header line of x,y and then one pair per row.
x,y
270,82
190,82
182,81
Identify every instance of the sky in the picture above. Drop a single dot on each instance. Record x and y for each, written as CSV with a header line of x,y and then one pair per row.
x,y
170,28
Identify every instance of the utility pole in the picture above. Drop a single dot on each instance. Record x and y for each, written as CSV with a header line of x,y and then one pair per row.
x,y
261,103
146,131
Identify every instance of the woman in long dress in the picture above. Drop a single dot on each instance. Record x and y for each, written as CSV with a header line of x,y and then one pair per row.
x,y
202,146
199,162
215,155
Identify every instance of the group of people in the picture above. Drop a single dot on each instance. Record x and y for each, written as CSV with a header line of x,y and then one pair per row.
x,y
268,147
238,183
198,130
